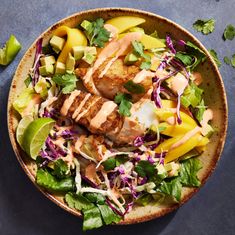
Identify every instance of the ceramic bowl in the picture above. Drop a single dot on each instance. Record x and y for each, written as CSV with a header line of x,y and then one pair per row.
x,y
215,98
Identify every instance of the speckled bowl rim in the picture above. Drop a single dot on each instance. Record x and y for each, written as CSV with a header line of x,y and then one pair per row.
x,y
129,11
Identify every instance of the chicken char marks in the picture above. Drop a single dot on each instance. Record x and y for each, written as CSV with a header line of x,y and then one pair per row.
x,y
97,114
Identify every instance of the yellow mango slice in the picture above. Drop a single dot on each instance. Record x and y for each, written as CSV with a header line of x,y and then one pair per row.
x,y
168,104
151,42
164,113
165,146
183,148
175,130
123,23
203,142
75,37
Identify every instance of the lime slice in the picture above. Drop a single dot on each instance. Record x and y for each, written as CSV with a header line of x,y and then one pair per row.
x,y
35,135
24,122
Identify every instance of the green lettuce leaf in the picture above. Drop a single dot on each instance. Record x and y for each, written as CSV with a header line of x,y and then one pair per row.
x,y
172,188
199,110
78,202
52,184
108,215
188,172
92,219
96,198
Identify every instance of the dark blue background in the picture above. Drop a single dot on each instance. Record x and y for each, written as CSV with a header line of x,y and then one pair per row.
x,y
23,210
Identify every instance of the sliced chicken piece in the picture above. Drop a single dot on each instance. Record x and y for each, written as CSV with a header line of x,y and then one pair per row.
x,y
112,82
99,116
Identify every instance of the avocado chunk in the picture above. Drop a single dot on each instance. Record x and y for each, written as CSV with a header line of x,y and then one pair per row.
x,y
89,54
60,68
46,70
130,59
172,168
78,52
70,63
57,43
46,60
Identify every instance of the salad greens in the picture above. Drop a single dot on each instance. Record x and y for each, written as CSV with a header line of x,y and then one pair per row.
x,y
229,32
215,57
134,88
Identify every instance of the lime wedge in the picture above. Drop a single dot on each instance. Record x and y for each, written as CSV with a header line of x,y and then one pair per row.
x,y
35,135
24,122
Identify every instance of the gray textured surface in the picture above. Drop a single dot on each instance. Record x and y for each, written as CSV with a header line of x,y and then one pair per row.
x,y
23,210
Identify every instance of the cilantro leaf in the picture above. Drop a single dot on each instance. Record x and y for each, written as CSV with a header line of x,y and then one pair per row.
x,y
67,81
124,101
145,168
112,162
92,219
78,202
197,52
61,169
204,26
134,87
184,58
215,57
188,172
95,32
52,184
172,188
138,49
229,32
108,215
227,60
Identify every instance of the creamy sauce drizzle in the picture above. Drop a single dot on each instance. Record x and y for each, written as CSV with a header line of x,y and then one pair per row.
x,y
123,43
207,116
68,102
87,110
78,110
101,117
142,75
113,30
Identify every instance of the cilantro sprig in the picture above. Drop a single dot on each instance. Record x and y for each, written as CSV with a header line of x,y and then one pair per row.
x,y
124,102
138,49
67,81
229,32
95,32
204,26
215,57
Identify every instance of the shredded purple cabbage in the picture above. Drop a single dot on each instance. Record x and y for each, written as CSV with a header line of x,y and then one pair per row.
x,y
161,157
109,203
140,140
169,44
37,61
89,181
150,159
178,65
181,43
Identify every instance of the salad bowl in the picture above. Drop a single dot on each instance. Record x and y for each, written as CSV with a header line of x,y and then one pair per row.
x,y
214,95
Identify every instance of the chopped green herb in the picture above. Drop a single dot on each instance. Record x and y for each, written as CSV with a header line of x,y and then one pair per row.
x,y
95,32
193,50
229,32
215,57
61,169
52,184
124,101
227,60
188,172
199,110
145,65
96,198
204,26
184,58
145,168
109,164
67,81
134,87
